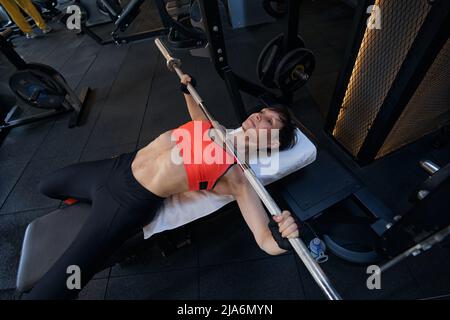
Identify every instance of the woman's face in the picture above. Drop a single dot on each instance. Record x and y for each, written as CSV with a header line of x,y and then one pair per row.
x,y
265,119
261,124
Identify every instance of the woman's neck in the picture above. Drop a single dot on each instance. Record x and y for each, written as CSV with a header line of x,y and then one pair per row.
x,y
243,145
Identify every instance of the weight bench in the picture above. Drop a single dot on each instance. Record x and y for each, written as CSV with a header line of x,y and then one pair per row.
x,y
47,237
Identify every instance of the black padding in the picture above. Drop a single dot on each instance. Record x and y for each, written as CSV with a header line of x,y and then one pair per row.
x,y
46,239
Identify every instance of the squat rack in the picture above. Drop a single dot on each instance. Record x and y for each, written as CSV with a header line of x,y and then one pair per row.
x,y
218,54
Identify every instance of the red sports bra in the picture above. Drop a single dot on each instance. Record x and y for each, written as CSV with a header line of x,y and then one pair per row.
x,y
205,162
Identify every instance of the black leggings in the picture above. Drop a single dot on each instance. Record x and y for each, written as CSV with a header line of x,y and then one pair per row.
x,y
120,207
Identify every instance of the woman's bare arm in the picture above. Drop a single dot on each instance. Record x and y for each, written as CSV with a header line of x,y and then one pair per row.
x,y
195,111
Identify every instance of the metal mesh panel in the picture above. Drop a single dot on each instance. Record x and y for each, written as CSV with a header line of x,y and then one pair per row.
x,y
428,109
379,58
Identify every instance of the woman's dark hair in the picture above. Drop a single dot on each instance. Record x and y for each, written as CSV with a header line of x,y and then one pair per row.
x,y
287,135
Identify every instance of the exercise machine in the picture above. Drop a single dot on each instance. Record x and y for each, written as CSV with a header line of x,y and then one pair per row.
x,y
284,64
183,27
105,12
186,30
48,9
354,237
344,183
426,224
350,218
39,86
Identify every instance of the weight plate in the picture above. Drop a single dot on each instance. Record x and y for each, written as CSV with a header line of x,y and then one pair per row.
x,y
294,70
39,86
269,57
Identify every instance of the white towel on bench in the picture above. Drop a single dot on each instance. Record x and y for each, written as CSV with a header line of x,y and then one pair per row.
x,y
181,209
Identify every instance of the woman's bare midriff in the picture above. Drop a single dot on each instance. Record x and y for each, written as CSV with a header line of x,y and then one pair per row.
x,y
154,169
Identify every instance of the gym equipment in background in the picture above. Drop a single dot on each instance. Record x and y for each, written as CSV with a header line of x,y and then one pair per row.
x,y
103,12
184,27
47,9
388,95
426,224
285,63
39,86
287,71
391,93
186,31
437,176
356,236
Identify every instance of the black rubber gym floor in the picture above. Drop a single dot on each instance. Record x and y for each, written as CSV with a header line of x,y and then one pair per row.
x,y
136,99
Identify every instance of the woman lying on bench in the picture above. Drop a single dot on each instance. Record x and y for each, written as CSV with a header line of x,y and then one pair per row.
x,y
126,191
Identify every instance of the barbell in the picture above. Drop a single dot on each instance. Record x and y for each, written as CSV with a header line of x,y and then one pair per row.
x,y
299,247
